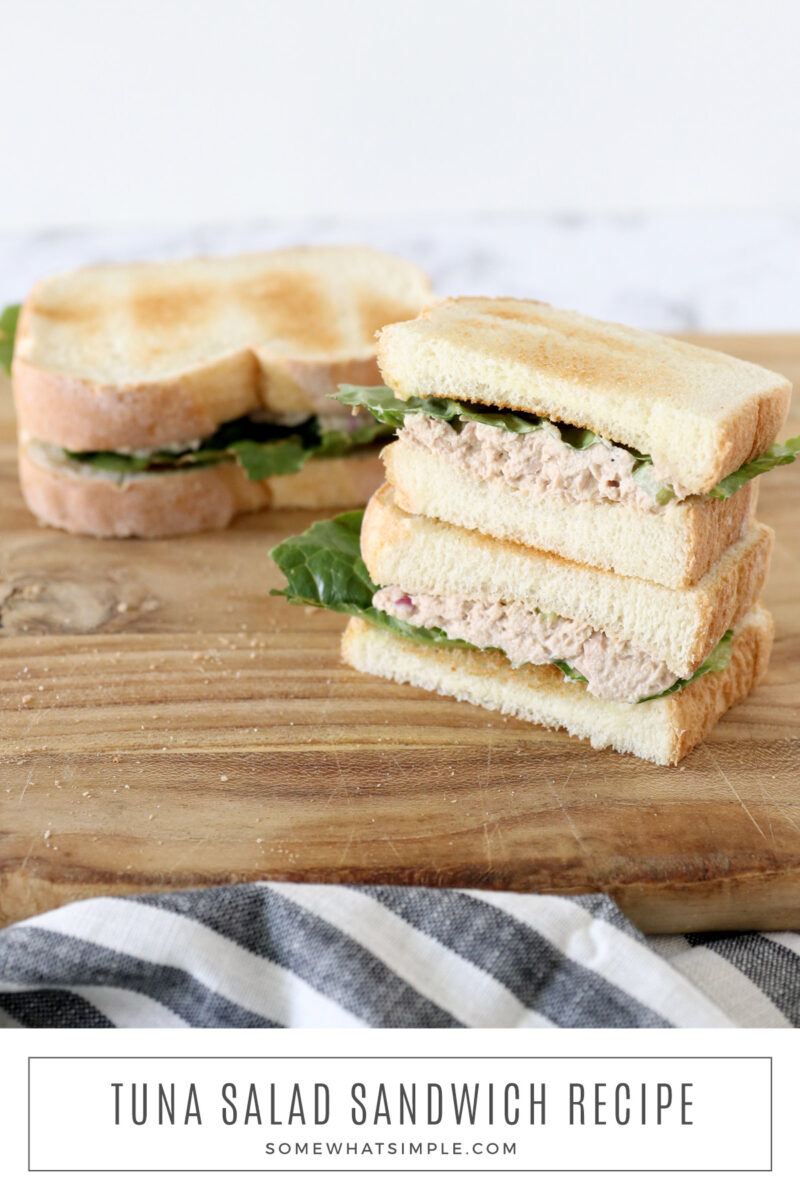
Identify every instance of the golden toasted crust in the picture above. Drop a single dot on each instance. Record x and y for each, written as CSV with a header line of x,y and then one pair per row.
x,y
662,731
677,627
81,415
674,548
84,416
695,710
153,353
699,413
177,502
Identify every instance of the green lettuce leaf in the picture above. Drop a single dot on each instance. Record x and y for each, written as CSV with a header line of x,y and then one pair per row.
x,y
570,672
8,331
718,660
261,460
324,569
776,456
133,464
335,442
107,460
385,407
261,449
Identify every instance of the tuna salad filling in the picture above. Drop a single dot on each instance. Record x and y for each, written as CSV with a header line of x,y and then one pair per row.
x,y
538,463
613,668
542,457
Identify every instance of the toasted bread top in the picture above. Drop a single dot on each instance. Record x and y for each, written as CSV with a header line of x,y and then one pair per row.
x,y
169,350
700,414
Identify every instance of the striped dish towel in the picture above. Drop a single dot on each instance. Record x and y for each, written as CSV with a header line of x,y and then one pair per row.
x,y
305,955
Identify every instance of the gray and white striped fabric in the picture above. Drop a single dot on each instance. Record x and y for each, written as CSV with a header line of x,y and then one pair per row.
x,y
303,955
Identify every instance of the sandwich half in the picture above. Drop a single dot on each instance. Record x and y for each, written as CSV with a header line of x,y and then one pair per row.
x,y
527,634
623,450
662,731
630,637
162,398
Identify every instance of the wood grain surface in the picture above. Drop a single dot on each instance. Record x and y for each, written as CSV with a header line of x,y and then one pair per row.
x,y
165,723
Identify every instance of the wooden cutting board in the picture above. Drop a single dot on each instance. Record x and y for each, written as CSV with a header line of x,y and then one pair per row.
x,y
165,723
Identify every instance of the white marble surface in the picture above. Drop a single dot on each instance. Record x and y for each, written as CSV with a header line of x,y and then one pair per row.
x,y
663,272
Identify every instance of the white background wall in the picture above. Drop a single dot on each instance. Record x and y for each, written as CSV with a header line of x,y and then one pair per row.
x,y
190,111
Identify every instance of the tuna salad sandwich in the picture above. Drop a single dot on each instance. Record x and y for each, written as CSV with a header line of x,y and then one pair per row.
x,y
163,398
605,445
623,662
567,534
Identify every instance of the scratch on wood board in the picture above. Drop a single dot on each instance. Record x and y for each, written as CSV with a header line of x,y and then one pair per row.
x,y
733,789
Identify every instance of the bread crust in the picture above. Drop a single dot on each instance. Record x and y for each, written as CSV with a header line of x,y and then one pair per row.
x,y
698,412
678,627
661,731
83,416
674,548
189,501
694,713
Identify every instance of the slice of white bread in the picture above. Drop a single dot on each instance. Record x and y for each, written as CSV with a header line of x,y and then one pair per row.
x,y
161,504
674,547
663,731
150,354
677,627
699,413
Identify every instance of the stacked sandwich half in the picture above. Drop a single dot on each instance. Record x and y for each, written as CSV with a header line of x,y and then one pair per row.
x,y
568,530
